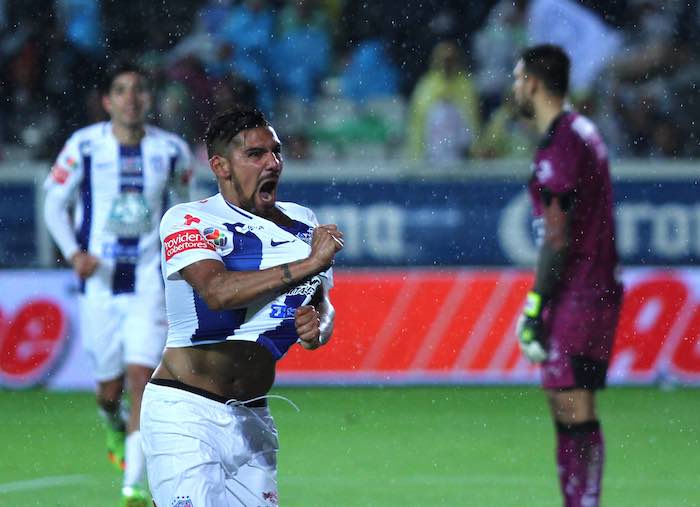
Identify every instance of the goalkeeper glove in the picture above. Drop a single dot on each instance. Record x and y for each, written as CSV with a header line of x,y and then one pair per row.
x,y
530,329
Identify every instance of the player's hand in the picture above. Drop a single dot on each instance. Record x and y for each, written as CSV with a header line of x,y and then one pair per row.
x,y
307,321
326,241
530,329
84,264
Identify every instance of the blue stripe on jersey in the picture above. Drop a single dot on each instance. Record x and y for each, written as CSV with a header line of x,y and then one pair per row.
x,y
300,230
86,198
130,180
248,249
279,339
124,275
218,325
215,325
248,255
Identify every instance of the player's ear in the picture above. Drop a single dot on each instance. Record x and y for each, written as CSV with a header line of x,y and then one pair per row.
x,y
534,85
219,166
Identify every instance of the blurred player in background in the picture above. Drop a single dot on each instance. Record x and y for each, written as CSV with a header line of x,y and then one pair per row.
x,y
246,277
105,196
569,319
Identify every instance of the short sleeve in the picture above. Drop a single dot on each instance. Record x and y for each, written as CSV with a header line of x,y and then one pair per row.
x,y
327,279
182,241
67,170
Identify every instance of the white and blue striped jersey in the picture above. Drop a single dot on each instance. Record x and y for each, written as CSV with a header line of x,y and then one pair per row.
x,y
108,199
215,229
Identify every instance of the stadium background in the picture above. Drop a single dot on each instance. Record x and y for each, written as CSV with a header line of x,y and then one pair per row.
x,y
422,398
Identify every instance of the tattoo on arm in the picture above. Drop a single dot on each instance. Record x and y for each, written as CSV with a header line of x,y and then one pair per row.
x,y
286,274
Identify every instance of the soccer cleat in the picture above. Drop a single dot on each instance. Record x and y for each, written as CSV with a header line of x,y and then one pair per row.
x,y
115,448
133,496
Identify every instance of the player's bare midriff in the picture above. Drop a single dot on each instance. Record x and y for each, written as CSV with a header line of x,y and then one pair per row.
x,y
233,369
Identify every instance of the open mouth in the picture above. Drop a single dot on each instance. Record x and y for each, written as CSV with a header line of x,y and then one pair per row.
x,y
267,190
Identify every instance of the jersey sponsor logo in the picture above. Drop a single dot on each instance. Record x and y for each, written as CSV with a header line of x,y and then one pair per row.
x,y
181,241
306,236
189,219
278,243
307,288
271,496
121,252
131,165
215,236
282,312
59,174
71,163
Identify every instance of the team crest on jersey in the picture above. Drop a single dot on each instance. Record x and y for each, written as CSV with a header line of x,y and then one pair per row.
x,y
182,501
215,236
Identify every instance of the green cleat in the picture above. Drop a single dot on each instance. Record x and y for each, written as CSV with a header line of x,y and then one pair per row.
x,y
134,497
115,447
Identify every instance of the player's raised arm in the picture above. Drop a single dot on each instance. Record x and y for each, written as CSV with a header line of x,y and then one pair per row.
x,y
246,278
222,289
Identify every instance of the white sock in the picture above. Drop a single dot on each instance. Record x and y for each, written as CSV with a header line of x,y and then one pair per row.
x,y
135,461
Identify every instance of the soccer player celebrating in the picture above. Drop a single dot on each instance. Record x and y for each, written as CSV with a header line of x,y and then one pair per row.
x,y
569,319
246,277
104,198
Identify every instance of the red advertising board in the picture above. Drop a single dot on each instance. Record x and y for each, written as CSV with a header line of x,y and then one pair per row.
x,y
405,326
458,326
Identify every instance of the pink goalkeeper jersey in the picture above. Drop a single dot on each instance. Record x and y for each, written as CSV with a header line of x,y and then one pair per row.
x,y
572,159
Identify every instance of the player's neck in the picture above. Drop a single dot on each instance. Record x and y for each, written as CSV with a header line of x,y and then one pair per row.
x,y
128,136
547,110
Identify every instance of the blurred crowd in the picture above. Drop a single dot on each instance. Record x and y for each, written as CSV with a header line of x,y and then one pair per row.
x,y
424,79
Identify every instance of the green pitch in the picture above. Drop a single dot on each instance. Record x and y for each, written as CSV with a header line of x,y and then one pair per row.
x,y
381,447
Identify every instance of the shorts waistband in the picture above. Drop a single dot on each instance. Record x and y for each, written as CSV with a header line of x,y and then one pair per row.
x,y
176,384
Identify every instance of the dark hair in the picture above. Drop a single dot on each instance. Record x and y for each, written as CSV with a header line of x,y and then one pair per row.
x,y
550,64
225,126
116,69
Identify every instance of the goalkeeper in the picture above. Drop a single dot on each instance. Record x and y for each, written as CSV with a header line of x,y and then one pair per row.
x,y
569,318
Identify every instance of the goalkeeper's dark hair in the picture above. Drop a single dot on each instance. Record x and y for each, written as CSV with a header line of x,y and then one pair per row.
x,y
227,125
551,65
115,69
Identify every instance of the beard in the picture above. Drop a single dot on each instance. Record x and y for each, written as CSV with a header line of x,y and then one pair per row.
x,y
525,109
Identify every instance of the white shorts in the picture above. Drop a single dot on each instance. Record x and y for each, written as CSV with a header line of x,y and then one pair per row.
x,y
122,329
207,452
